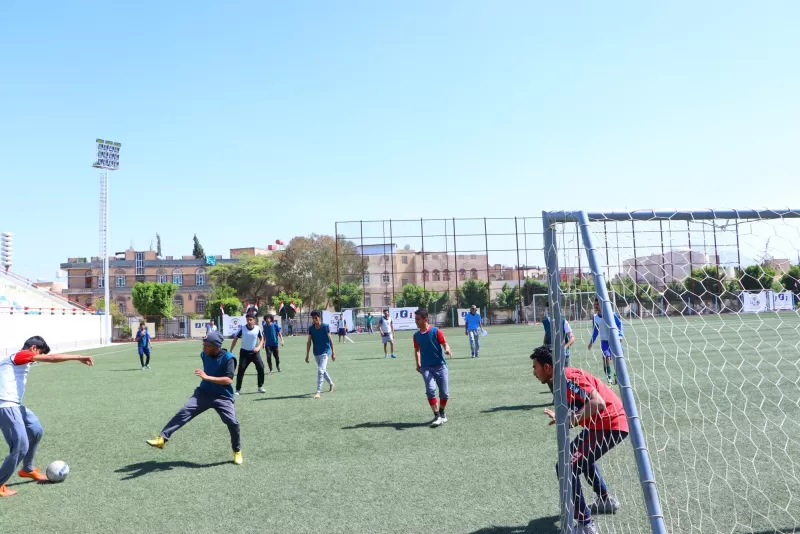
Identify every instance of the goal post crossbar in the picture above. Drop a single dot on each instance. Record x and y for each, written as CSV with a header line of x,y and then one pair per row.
x,y
669,215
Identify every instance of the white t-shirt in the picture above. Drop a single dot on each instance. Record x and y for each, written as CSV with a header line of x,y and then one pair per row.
x,y
341,323
385,325
13,377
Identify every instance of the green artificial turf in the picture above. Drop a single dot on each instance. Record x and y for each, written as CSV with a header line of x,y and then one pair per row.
x,y
363,460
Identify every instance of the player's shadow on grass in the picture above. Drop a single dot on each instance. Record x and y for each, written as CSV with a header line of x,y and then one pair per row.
x,y
152,466
517,408
303,396
543,525
387,424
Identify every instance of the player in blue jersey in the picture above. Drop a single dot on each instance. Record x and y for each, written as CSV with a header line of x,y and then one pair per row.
x,y
272,333
319,335
429,356
601,329
472,328
569,338
144,345
215,391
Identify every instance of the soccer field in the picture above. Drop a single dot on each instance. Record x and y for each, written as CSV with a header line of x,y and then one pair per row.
x,y
362,459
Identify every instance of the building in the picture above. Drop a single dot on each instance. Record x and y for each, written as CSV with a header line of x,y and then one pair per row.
x,y
659,270
85,283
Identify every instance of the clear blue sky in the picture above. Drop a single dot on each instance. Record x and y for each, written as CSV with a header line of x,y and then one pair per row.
x,y
327,111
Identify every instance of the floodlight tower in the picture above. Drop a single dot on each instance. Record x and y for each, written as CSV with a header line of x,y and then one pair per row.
x,y
108,160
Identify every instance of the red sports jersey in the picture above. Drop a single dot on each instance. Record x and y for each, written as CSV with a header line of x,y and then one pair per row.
x,y
579,385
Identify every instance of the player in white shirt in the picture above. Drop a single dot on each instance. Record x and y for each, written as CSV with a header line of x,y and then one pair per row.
x,y
19,425
386,327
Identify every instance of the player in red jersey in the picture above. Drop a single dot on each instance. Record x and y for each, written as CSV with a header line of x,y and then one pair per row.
x,y
595,407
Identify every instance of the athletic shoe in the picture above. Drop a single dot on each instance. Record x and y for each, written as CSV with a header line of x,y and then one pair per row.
x,y
609,381
236,393
385,355
147,367
143,368
35,474
609,505
158,442
316,395
237,457
330,390
437,422
279,370
586,528
269,374
393,356
262,390
5,492
442,416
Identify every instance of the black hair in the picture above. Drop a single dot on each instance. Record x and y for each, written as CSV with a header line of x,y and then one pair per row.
x,y
269,316
316,313
250,315
422,312
543,355
38,342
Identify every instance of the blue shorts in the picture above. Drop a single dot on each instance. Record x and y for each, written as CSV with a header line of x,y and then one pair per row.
x,y
606,349
144,351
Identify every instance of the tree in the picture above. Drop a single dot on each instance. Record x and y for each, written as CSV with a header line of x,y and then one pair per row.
x,y
197,251
158,246
533,287
507,298
758,277
474,292
287,299
308,267
705,280
117,317
414,295
791,280
154,300
252,278
348,295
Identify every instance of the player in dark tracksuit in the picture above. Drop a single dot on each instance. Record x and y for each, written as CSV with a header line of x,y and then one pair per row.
x,y
272,334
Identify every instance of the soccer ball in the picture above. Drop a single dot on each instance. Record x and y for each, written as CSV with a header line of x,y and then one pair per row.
x,y
57,471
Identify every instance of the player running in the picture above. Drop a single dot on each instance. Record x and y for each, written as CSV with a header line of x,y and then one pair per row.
x,y
144,345
429,356
386,327
595,407
252,341
18,424
600,328
319,335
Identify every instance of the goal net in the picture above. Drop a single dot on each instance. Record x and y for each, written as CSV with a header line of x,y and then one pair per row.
x,y
709,359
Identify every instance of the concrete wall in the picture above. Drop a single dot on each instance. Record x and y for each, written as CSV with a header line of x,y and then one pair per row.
x,y
62,332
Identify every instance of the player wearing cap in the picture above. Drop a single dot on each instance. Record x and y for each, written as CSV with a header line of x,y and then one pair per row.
x,y
18,424
215,391
595,407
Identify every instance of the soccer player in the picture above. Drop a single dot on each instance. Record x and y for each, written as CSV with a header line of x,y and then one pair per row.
x,y
369,323
341,327
429,357
215,391
472,328
595,407
19,425
252,341
272,333
144,345
386,327
319,335
600,328
569,337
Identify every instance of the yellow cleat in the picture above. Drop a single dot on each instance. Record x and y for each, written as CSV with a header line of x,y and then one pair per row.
x,y
237,457
157,442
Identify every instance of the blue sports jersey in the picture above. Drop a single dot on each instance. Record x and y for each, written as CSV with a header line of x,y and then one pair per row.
x,y
548,336
429,345
143,339
319,339
472,322
271,332
223,365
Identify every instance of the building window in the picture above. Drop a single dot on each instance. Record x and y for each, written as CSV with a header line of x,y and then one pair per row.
x,y
386,300
101,282
122,305
386,259
367,300
177,303
462,274
120,278
139,262
385,278
404,260
424,275
473,257
177,277
200,304
88,280
404,282
446,275
200,276
474,274
161,276
436,275
435,256
366,279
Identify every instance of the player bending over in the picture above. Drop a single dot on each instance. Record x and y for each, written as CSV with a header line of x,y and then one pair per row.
x,y
319,335
600,328
428,343
595,407
19,424
215,391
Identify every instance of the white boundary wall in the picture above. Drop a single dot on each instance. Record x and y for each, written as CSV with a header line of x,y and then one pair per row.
x,y
62,332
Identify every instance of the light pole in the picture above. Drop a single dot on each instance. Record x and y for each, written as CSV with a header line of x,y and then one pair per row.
x,y
108,160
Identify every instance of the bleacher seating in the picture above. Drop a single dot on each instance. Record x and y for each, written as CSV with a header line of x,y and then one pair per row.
x,y
20,295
